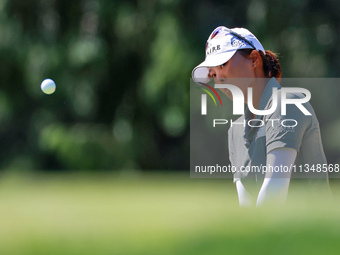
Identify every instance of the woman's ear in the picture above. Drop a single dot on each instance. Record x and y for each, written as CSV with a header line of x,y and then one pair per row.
x,y
255,58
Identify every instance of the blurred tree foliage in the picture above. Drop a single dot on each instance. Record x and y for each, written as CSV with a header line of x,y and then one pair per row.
x,y
122,70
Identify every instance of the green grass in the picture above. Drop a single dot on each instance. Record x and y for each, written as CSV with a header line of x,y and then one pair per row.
x,y
154,214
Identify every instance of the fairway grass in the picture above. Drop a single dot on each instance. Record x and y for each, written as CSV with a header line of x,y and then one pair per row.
x,y
155,214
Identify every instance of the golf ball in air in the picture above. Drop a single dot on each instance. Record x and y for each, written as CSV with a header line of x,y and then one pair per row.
x,y
48,86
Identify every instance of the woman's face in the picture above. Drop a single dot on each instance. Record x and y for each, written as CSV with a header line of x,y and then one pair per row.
x,y
231,72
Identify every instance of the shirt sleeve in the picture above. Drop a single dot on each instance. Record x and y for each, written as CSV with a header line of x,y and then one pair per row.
x,y
287,131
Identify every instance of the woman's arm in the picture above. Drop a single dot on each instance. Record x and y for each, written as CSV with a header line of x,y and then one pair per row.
x,y
244,197
275,186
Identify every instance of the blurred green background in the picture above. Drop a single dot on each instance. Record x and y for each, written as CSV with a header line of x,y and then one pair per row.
x,y
122,70
101,166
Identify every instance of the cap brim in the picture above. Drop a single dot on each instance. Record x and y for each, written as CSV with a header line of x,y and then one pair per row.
x,y
200,72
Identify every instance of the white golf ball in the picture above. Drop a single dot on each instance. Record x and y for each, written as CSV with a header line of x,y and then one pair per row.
x,y
48,86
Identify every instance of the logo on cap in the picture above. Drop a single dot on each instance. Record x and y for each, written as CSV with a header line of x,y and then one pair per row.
x,y
236,42
213,49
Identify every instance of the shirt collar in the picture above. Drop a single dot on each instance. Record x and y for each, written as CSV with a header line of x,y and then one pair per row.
x,y
268,91
266,95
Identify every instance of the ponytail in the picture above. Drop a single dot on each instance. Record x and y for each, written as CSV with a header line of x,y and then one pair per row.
x,y
271,65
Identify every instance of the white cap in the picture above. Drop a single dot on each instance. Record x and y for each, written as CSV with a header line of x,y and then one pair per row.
x,y
222,44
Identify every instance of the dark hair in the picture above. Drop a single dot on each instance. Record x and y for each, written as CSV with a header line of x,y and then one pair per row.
x,y
271,65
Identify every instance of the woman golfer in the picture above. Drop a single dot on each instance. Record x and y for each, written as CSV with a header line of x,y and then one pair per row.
x,y
281,146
